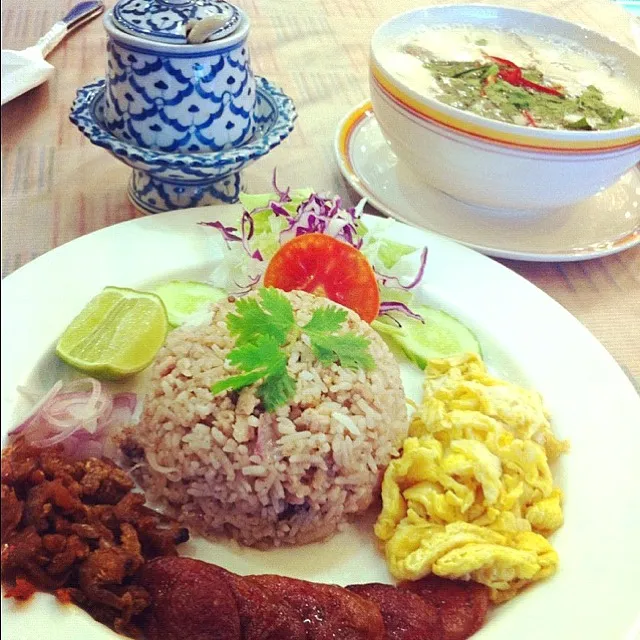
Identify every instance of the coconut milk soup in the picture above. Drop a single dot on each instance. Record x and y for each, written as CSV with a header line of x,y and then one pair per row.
x,y
519,78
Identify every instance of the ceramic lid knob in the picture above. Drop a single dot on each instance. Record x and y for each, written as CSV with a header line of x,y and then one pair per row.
x,y
177,21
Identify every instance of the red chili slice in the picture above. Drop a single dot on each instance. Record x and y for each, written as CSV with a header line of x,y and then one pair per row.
x,y
512,76
540,87
529,117
327,267
504,62
510,72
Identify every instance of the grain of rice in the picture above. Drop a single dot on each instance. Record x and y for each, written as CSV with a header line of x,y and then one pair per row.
x,y
346,422
254,470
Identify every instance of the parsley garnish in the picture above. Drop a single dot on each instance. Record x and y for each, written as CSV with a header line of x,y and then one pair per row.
x,y
262,328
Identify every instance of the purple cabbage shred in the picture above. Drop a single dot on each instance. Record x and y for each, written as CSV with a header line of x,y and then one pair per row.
x,y
228,233
385,307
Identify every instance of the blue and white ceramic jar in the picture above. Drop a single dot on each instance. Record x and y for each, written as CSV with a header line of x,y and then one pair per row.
x,y
167,93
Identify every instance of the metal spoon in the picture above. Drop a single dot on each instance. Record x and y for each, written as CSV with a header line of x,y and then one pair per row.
x,y
26,69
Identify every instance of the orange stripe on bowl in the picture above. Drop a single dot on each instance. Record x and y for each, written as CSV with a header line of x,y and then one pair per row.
x,y
347,131
529,143
632,236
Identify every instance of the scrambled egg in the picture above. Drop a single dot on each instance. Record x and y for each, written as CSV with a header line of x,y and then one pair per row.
x,y
472,495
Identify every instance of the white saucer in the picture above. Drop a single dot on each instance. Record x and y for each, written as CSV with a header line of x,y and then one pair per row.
x,y
607,223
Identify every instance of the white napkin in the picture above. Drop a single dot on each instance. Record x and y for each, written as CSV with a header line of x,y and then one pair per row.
x,y
24,70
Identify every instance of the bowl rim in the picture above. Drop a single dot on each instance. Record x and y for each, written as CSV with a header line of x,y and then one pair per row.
x,y
421,105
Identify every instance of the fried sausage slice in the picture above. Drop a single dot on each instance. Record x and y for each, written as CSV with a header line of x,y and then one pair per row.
x,y
260,617
406,615
327,611
190,600
461,605
194,600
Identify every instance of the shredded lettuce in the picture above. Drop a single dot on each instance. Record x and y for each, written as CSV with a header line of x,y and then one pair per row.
x,y
382,253
253,201
270,219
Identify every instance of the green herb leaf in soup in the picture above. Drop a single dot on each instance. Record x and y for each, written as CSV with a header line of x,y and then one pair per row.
x,y
519,78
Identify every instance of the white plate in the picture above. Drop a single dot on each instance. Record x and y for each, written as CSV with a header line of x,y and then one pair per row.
x,y
526,336
604,224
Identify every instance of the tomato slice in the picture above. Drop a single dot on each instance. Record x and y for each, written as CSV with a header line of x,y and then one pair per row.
x,y
327,267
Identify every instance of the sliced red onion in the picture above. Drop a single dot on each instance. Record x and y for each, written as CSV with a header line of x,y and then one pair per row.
x,y
123,407
77,386
125,400
36,410
73,408
57,438
89,449
79,419
385,307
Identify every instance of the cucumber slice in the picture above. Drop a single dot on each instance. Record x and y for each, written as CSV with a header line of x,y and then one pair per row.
x,y
183,298
385,329
440,336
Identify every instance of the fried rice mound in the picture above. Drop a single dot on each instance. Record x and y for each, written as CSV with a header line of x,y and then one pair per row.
x,y
223,465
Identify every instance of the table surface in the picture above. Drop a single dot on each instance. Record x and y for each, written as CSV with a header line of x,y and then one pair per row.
x,y
56,186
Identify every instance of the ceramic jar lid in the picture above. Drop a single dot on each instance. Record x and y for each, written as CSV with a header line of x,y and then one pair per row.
x,y
177,21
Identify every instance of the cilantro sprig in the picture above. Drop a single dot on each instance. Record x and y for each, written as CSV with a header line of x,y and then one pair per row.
x,y
262,329
349,349
274,317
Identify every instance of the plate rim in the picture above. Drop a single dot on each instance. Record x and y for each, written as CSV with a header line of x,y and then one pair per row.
x,y
355,118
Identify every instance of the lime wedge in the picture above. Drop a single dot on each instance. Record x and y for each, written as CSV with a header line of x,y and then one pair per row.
x,y
116,335
183,298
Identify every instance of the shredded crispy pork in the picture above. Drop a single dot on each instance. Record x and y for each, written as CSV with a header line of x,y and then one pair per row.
x,y
78,529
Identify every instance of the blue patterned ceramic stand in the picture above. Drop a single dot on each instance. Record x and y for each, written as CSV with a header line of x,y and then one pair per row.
x,y
164,181
177,97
